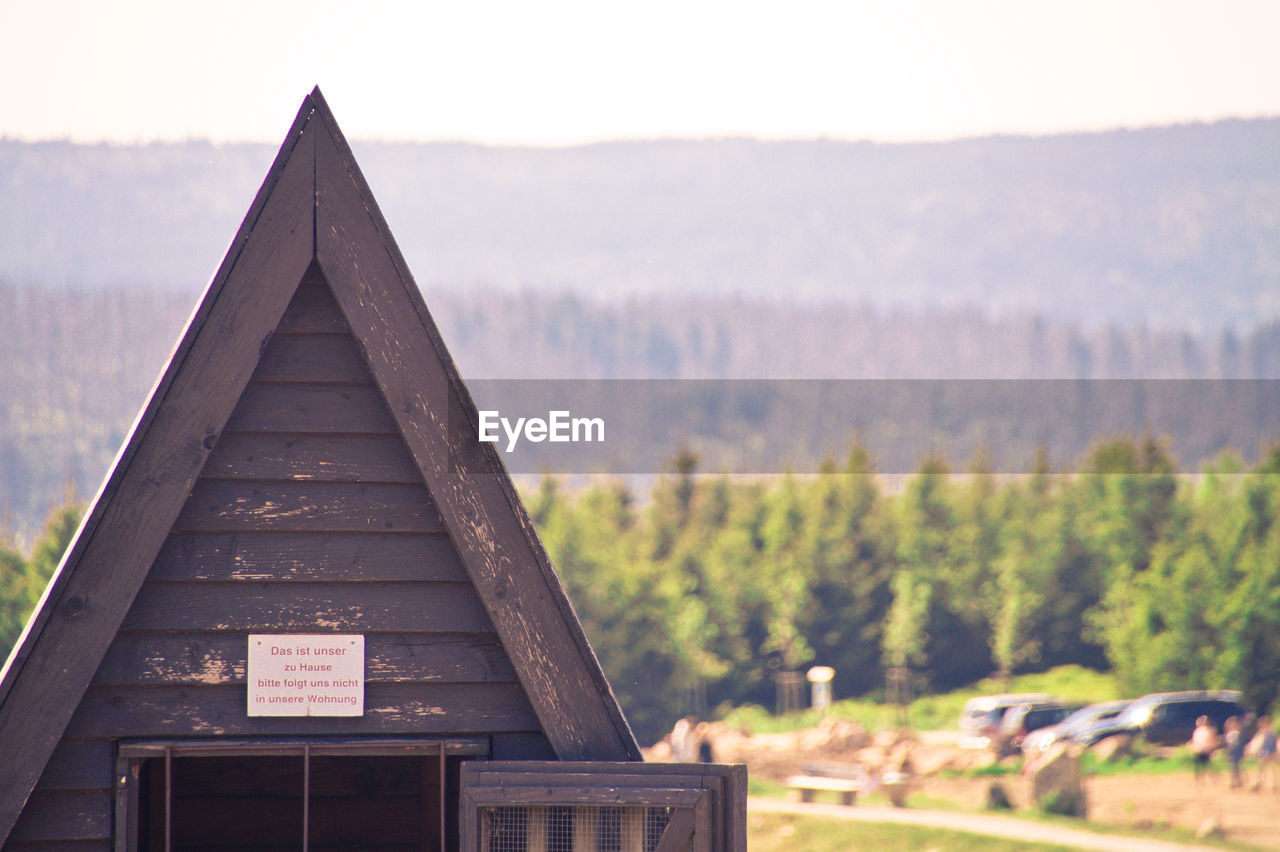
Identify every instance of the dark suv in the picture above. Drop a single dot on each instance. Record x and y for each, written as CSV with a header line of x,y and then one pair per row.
x,y
1168,718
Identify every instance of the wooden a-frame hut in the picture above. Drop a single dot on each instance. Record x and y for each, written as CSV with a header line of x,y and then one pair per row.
x,y
307,609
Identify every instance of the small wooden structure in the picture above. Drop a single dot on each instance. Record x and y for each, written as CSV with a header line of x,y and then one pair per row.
x,y
307,608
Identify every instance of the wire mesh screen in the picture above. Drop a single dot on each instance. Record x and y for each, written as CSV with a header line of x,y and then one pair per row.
x,y
578,828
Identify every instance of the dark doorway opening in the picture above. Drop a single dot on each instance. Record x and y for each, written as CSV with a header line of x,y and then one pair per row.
x,y
282,802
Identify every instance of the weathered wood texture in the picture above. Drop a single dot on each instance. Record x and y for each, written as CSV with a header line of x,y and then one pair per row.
x,y
318,458
341,537
333,408
303,607
60,816
222,506
280,557
72,805
256,549
191,659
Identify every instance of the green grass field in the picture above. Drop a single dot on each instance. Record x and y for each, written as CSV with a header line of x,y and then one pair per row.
x,y
934,712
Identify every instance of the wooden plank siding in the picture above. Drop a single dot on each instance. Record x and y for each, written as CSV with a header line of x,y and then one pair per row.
x,y
431,709
72,804
311,557
334,408
309,516
309,457
308,607
191,659
60,816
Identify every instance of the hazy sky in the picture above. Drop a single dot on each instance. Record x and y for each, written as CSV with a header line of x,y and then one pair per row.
x,y
562,71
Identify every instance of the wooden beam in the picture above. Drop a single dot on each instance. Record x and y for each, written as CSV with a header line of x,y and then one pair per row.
x,y
195,659
398,709
237,506
283,557
324,408
678,833
308,607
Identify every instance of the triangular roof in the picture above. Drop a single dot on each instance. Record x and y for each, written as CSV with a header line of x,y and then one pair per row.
x,y
313,208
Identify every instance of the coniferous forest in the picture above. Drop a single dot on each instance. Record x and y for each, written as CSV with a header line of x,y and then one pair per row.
x,y
715,584
710,586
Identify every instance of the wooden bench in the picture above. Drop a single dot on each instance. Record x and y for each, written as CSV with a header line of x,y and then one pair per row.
x,y
847,780
810,784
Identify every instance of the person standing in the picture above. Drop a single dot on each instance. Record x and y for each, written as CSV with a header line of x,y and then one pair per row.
x,y
682,740
1233,740
1204,742
703,735
1266,752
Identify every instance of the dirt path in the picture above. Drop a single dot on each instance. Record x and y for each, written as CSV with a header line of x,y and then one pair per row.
x,y
1174,799
996,826
1129,800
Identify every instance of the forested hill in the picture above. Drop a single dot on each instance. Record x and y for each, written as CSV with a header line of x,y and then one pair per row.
x,y
78,364
1177,227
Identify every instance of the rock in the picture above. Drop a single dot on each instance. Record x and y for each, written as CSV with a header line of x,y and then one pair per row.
x,y
886,739
1057,786
727,744
931,761
814,739
871,757
900,759
1113,748
660,752
997,798
785,741
845,735
1210,828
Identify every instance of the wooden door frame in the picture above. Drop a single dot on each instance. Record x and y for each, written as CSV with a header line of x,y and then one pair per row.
x,y
130,755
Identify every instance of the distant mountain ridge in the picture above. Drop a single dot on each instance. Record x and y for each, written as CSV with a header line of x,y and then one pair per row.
x,y
1175,227
79,362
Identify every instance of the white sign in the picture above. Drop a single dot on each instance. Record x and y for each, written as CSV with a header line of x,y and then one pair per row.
x,y
306,675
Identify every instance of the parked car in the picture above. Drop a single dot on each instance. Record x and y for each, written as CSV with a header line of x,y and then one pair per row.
x,y
1023,719
1038,742
981,717
1168,718
1098,731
